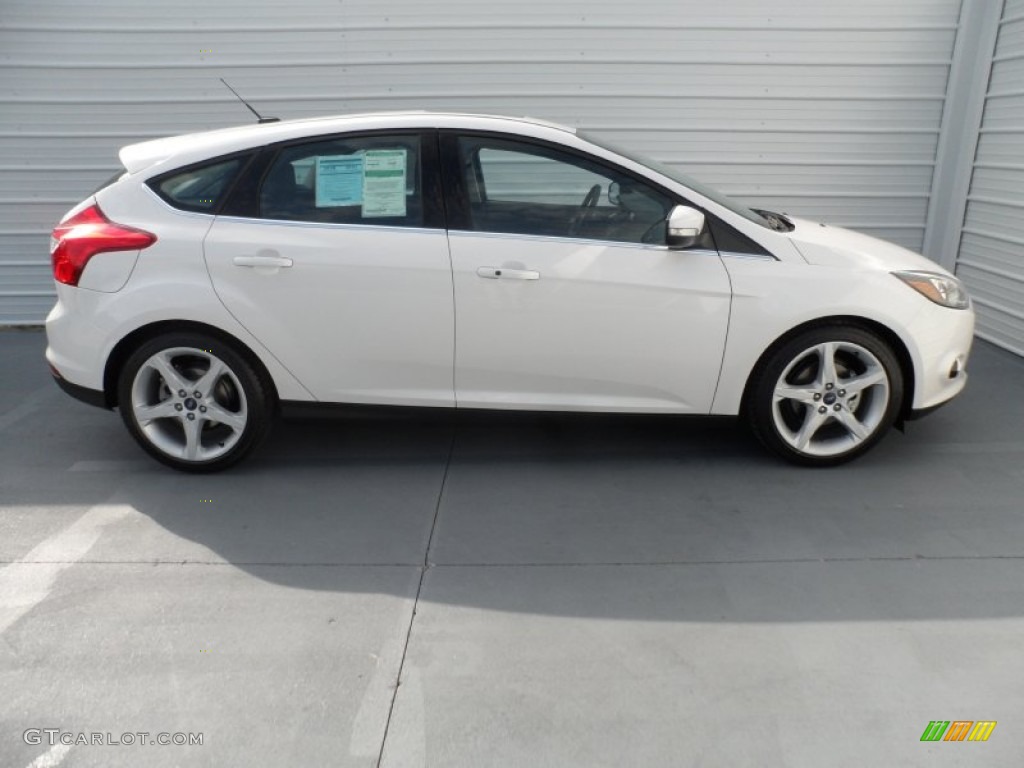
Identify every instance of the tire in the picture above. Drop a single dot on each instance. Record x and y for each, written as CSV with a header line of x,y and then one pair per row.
x,y
156,394
822,415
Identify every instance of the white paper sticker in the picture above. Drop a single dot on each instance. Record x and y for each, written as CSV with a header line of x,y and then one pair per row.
x,y
384,183
339,180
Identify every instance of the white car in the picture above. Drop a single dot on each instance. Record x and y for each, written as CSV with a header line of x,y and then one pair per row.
x,y
469,261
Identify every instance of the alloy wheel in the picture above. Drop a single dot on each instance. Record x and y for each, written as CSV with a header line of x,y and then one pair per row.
x,y
831,398
189,404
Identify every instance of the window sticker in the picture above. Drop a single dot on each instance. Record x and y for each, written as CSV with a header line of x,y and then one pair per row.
x,y
384,183
339,180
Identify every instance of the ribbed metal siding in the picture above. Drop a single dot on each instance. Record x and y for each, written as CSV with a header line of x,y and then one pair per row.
x,y
991,258
828,109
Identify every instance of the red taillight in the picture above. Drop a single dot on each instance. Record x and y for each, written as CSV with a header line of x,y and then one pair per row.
x,y
87,233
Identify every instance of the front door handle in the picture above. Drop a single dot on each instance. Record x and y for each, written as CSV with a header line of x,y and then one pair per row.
x,y
505,273
262,261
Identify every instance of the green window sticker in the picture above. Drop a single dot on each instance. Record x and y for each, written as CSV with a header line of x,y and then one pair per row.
x,y
383,189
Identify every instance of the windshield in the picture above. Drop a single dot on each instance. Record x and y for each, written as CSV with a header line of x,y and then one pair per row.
x,y
764,218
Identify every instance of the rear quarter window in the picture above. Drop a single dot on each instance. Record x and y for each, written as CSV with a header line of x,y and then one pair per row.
x,y
198,188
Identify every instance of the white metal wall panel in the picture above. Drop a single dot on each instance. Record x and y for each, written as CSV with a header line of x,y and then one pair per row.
x,y
991,258
829,109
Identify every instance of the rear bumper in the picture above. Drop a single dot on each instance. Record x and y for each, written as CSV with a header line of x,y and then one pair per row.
x,y
85,394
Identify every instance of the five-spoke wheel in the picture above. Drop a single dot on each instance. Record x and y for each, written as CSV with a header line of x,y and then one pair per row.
x,y
826,395
193,402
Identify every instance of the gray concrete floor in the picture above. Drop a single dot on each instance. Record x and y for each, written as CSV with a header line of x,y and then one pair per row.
x,y
603,591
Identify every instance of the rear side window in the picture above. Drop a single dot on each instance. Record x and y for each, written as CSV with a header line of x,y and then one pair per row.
x,y
347,180
200,187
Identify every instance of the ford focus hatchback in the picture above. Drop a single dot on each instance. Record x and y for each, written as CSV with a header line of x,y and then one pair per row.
x,y
464,261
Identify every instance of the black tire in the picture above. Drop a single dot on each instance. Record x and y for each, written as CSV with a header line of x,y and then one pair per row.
x,y
241,394
786,413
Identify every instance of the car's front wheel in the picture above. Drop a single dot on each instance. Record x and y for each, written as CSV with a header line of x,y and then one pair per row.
x,y
192,402
826,396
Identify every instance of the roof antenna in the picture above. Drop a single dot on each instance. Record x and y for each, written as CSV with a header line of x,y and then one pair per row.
x,y
260,118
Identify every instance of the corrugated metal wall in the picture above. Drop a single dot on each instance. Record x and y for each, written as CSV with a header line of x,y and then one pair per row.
x,y
991,259
828,109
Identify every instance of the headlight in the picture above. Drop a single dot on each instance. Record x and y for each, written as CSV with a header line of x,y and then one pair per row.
x,y
942,289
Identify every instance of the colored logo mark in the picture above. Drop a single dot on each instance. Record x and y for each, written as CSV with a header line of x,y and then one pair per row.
x,y
958,730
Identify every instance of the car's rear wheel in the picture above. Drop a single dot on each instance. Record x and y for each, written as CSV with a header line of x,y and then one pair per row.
x,y
826,396
193,403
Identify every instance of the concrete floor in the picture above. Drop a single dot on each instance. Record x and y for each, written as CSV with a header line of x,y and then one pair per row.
x,y
602,591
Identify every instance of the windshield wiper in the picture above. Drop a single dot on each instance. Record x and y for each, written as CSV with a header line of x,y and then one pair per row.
x,y
776,221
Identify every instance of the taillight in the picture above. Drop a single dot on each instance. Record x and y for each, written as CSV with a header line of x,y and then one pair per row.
x,y
85,234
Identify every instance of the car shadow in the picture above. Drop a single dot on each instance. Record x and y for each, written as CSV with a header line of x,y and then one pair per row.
x,y
579,515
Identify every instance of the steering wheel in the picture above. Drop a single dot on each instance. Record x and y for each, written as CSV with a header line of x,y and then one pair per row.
x,y
589,204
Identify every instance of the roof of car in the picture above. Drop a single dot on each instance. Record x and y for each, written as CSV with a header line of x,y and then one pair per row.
x,y
194,147
428,114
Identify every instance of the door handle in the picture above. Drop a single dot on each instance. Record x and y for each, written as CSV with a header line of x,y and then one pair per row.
x,y
505,273
262,261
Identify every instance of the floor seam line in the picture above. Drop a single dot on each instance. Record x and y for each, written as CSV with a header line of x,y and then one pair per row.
x,y
424,567
553,564
766,561
232,563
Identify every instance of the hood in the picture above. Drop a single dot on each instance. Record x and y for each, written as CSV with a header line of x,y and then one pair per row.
x,y
829,246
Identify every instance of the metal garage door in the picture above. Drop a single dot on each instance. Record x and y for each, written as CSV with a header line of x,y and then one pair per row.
x,y
828,109
991,258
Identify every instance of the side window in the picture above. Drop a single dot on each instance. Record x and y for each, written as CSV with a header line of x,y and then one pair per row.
x,y
728,240
529,189
200,187
346,180
517,177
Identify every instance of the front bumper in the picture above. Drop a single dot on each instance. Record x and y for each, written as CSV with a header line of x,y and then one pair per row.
x,y
920,413
943,339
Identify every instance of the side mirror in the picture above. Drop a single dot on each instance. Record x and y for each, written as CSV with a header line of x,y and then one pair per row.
x,y
684,227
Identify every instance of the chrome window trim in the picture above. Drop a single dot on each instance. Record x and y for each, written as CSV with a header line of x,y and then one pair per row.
x,y
287,222
328,225
574,240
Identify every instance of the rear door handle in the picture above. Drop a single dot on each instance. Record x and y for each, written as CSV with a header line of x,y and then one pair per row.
x,y
504,273
262,261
